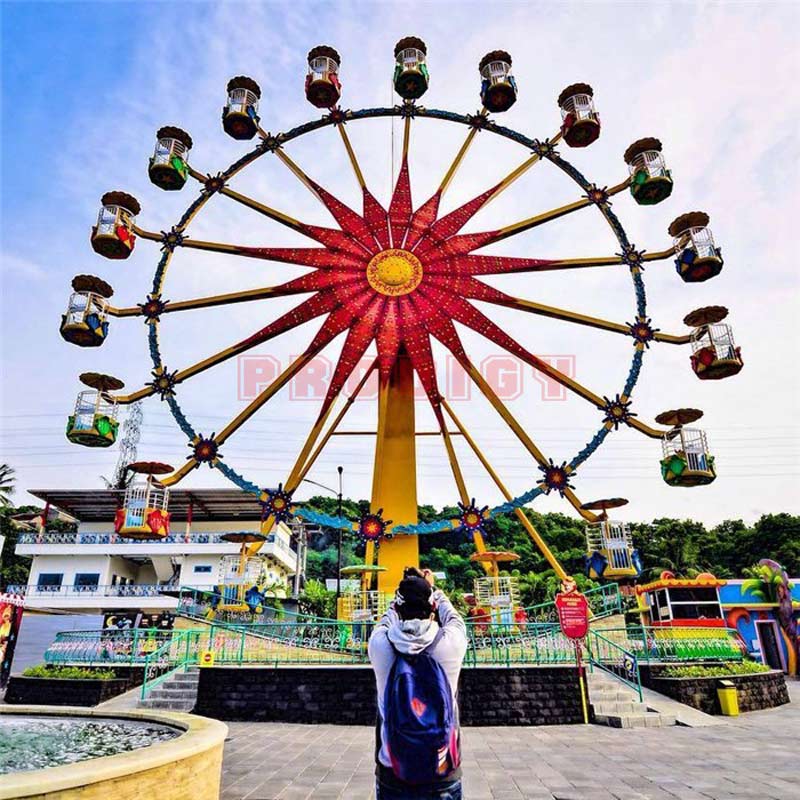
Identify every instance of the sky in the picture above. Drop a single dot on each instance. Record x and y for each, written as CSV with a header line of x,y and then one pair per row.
x,y
86,85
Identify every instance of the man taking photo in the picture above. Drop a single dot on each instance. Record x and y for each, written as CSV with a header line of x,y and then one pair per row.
x,y
416,650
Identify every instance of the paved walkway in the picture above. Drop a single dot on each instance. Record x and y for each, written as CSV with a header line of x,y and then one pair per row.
x,y
754,757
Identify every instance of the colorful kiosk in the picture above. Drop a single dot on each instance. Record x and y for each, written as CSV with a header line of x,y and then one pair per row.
x,y
684,617
765,612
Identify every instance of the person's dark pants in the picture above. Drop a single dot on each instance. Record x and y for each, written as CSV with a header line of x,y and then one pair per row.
x,y
447,791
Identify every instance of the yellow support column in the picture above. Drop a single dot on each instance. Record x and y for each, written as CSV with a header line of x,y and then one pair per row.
x,y
394,481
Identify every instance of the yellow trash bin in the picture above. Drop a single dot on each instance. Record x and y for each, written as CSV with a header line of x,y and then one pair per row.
x,y
728,700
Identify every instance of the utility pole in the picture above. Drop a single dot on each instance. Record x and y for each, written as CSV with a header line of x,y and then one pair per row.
x,y
339,549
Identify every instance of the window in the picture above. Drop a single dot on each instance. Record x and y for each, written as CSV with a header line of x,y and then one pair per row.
x,y
86,580
695,594
697,611
50,581
204,568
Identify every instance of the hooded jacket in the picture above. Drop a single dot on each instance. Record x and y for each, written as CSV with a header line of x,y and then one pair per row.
x,y
412,636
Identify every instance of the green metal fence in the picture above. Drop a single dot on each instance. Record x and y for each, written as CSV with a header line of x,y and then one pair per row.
x,y
610,657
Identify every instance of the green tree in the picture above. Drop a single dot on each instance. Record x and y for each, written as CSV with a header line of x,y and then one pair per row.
x,y
7,482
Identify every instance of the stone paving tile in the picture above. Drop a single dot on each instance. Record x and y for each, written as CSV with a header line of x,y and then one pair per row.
x,y
325,762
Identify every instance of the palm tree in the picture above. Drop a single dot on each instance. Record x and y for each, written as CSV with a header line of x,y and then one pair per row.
x,y
6,485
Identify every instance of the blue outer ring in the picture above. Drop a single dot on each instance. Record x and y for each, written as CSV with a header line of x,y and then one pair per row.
x,y
266,146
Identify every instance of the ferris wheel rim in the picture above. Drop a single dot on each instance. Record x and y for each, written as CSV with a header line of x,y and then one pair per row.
x,y
546,150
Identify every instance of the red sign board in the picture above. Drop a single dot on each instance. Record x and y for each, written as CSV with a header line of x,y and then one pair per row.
x,y
573,614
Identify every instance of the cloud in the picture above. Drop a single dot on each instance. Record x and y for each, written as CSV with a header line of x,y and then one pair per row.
x,y
723,104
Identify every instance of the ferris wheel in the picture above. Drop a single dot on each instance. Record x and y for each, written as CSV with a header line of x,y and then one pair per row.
x,y
400,278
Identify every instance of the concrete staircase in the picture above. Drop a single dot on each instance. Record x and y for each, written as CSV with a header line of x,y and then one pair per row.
x,y
176,693
617,706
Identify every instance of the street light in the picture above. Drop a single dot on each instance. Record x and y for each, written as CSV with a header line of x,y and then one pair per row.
x,y
338,494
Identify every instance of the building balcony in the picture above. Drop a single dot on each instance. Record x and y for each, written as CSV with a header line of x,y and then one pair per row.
x,y
176,544
95,597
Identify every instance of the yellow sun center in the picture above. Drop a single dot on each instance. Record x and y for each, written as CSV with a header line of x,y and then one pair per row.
x,y
394,272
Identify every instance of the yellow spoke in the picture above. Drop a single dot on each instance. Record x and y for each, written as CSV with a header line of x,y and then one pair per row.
x,y
352,156
521,515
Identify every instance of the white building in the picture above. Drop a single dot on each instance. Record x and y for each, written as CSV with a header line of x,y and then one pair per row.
x,y
94,570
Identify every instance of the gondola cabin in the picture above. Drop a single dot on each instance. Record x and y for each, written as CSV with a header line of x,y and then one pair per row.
x,y
94,423
498,86
240,113
240,582
651,181
672,602
686,460
359,603
580,122
113,236
697,257
411,76
496,595
85,322
323,88
714,352
610,554
144,513
169,165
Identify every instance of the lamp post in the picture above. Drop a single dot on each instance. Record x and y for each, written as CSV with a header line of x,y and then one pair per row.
x,y
339,495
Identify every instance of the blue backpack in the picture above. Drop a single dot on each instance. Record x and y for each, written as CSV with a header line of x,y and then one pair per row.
x,y
420,720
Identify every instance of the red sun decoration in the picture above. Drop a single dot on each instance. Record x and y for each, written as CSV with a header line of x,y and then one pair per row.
x,y
397,277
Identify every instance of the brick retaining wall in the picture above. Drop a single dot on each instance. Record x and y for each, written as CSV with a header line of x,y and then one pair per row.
x,y
755,692
346,695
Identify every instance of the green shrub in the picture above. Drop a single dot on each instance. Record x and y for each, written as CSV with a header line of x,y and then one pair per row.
x,y
75,673
724,670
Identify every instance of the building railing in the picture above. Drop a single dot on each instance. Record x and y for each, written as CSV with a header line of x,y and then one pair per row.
x,y
111,538
97,590
112,646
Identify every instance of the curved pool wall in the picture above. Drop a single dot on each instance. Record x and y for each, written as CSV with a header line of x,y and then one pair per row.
x,y
188,766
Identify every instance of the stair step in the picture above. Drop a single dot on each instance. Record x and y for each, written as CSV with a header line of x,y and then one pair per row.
x,y
649,719
168,705
619,708
173,691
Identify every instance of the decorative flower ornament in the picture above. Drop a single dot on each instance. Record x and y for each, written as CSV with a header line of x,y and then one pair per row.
x,y
204,451
408,109
617,411
598,195
544,149
276,503
555,477
632,257
214,183
164,382
372,527
338,116
642,331
153,308
270,143
171,239
472,519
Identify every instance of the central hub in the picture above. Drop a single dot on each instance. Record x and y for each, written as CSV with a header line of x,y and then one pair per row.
x,y
394,272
